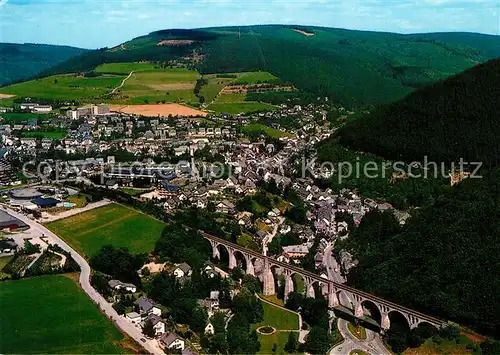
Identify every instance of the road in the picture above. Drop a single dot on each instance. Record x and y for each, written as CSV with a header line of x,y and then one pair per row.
x,y
122,83
332,265
269,238
127,327
372,345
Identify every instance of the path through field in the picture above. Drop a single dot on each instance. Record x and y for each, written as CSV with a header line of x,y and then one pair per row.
x,y
122,83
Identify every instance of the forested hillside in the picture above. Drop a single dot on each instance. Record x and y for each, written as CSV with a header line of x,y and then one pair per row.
x,y
353,68
453,119
445,261
22,61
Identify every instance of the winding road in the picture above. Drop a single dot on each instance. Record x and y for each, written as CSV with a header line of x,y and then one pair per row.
x,y
130,329
372,344
122,83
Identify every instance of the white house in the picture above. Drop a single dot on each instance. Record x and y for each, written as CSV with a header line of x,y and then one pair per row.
x,y
183,270
171,340
117,285
209,329
158,324
147,306
133,317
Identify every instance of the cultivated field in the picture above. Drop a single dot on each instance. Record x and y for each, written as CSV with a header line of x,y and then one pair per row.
x,y
50,314
158,110
155,85
112,224
122,68
65,87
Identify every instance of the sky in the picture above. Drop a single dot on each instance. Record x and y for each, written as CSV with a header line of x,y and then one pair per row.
x,y
106,23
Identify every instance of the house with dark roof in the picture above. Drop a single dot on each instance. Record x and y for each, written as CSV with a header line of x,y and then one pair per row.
x,y
171,340
183,270
117,285
157,322
147,306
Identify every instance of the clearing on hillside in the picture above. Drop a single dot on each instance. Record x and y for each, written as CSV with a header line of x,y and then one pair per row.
x,y
50,314
155,85
65,87
112,224
159,110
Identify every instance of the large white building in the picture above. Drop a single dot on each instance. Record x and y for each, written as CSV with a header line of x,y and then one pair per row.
x,y
91,110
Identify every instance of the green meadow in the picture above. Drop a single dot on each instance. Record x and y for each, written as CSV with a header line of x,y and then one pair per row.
x,y
51,314
112,224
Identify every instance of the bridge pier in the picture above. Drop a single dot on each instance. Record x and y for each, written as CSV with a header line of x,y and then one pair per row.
x,y
215,251
268,280
288,287
310,290
358,310
232,260
385,322
250,269
333,300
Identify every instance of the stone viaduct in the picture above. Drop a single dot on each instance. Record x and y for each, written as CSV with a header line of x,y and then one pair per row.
x,y
336,294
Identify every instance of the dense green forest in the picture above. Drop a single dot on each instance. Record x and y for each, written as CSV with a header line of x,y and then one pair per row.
x,y
455,118
444,261
354,68
22,61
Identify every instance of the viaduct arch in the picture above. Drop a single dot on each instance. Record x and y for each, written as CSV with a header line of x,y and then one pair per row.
x,y
330,289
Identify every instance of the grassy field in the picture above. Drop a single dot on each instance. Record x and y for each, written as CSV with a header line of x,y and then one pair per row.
x,y
231,98
65,87
122,68
50,314
112,224
158,85
255,78
267,342
235,108
278,318
271,132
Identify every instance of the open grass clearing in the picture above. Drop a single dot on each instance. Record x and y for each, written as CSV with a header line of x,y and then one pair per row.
x,y
279,318
65,87
255,78
123,68
267,342
50,314
112,224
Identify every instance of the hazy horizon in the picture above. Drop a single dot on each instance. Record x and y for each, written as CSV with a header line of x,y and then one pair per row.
x,y
94,24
